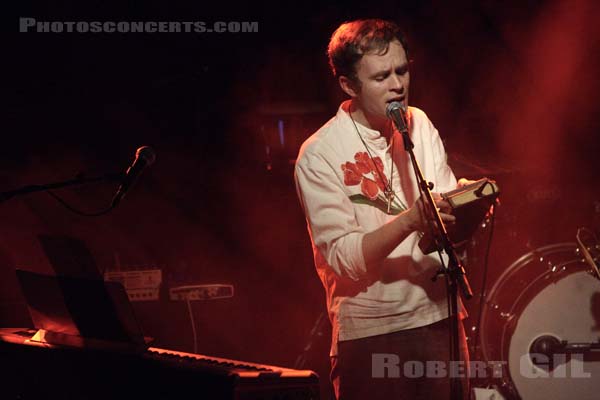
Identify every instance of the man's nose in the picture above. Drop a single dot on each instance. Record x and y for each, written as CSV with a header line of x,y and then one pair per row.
x,y
397,83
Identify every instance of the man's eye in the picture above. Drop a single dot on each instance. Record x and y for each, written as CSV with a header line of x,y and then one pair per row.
x,y
380,79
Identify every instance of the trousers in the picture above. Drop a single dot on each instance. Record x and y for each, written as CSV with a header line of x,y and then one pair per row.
x,y
408,364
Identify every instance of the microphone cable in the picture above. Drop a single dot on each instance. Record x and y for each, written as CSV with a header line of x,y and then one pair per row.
x,y
482,295
79,212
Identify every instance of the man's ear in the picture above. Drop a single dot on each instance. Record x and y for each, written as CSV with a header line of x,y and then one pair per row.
x,y
349,86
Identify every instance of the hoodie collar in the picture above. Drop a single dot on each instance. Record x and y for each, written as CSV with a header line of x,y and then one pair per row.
x,y
371,136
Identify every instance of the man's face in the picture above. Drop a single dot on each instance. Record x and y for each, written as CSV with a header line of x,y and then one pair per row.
x,y
383,78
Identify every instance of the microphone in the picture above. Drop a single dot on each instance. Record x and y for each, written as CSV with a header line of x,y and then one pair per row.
x,y
546,346
396,111
144,157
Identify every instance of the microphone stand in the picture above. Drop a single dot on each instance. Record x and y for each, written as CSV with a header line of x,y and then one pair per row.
x,y
454,272
111,177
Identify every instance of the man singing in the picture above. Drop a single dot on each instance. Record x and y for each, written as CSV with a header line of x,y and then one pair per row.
x,y
365,218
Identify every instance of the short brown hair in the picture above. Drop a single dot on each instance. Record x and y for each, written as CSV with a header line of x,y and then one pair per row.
x,y
352,40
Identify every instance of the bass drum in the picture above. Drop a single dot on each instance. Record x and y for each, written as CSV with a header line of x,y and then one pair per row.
x,y
547,292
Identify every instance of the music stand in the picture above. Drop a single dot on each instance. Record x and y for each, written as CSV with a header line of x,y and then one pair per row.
x,y
76,307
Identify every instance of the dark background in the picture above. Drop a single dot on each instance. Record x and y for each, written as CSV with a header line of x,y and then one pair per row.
x,y
511,86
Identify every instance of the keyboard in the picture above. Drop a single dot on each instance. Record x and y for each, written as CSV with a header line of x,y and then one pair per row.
x,y
154,373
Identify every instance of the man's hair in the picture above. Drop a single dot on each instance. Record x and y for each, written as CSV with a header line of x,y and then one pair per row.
x,y
352,40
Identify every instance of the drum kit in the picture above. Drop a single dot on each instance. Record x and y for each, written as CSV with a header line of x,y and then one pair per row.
x,y
534,327
541,324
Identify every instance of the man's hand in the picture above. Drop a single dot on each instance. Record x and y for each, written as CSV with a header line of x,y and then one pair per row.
x,y
462,182
378,244
418,216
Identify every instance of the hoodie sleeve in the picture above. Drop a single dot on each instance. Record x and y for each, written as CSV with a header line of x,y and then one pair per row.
x,y
332,225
